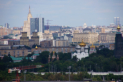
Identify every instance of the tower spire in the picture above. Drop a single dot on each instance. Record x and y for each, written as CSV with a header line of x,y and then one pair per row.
x,y
29,10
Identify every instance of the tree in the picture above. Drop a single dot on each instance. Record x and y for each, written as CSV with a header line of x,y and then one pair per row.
x,y
74,59
7,59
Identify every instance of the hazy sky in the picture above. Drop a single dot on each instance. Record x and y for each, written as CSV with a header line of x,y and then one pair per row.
x,y
62,12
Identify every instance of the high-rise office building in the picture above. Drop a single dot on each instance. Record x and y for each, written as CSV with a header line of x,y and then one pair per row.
x,y
7,25
117,21
36,24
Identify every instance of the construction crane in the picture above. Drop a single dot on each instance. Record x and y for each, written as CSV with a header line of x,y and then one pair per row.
x,y
47,27
18,70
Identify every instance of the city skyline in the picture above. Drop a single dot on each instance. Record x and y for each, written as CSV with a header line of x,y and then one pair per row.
x,y
63,12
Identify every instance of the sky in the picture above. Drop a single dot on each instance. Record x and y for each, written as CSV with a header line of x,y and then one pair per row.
x,y
62,12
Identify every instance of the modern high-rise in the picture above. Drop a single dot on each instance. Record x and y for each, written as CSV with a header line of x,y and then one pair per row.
x,y
36,25
7,25
117,21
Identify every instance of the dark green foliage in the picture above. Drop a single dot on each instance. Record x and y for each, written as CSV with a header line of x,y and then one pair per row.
x,y
102,61
27,47
43,57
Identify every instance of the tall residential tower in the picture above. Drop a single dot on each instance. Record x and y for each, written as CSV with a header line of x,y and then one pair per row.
x,y
116,21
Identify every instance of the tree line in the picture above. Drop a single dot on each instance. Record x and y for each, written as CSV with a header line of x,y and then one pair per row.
x,y
102,61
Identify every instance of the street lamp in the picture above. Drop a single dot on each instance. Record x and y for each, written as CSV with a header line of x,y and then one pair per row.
x,y
25,75
69,72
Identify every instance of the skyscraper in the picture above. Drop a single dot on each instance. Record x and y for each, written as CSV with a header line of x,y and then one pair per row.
x,y
36,24
26,27
116,21
7,25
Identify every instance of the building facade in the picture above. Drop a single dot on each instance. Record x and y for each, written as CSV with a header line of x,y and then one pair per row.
x,y
36,24
6,25
16,32
46,43
106,37
14,52
5,47
13,42
24,40
60,43
55,49
47,35
5,31
117,21
35,38
87,37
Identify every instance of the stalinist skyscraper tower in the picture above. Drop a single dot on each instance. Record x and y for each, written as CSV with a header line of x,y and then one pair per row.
x,y
26,27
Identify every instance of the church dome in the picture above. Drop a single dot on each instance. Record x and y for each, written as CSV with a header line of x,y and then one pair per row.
x,y
36,47
118,28
92,46
82,44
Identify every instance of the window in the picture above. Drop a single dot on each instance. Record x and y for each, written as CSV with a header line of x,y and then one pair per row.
x,y
5,52
18,54
52,49
40,51
47,49
56,50
23,52
62,49
65,50
71,50
14,53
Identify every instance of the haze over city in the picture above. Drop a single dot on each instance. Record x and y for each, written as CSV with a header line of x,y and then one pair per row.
x,y
62,12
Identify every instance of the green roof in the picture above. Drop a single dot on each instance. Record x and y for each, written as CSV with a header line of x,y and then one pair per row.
x,y
19,58
118,32
35,54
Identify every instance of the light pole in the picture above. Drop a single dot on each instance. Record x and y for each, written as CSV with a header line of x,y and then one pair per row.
x,y
69,72
25,75
49,67
90,67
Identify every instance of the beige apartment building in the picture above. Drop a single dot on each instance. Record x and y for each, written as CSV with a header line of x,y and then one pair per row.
x,y
87,37
55,49
5,31
46,43
16,32
47,35
14,52
106,37
59,43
